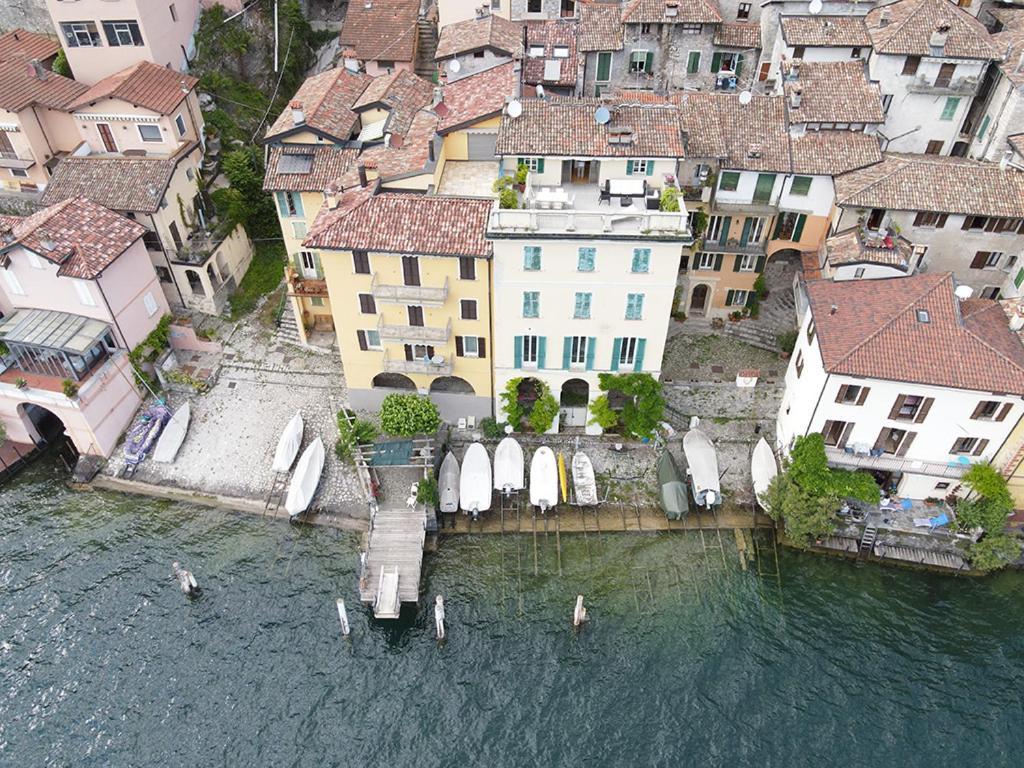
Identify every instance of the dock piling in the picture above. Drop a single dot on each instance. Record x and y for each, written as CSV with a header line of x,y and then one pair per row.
x,y
439,616
343,617
579,614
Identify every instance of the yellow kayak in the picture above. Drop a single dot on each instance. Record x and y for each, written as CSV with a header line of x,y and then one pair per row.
x,y
563,478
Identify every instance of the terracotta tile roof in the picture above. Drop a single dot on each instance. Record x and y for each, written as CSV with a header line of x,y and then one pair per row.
x,y
408,155
402,93
825,31
698,115
600,26
904,28
430,225
144,84
932,183
654,12
120,183
1011,43
81,236
552,34
1017,143
834,92
477,97
310,167
741,34
875,332
21,88
385,31
22,44
326,101
567,128
848,247
754,136
830,153
494,32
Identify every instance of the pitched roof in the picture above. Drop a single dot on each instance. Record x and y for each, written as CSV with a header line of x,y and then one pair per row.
x,y
402,93
494,32
408,155
905,28
740,34
384,30
326,102
1016,141
834,92
830,153
752,136
120,183
1011,43
81,236
825,31
875,332
552,34
600,26
431,225
310,167
931,183
144,84
22,44
20,87
849,247
476,97
657,12
568,128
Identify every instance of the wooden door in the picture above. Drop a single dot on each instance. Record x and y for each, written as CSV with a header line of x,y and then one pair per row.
x,y
411,270
107,136
945,75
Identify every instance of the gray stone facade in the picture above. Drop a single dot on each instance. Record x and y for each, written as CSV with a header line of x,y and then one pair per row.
x,y
451,405
471,63
670,46
27,14
549,9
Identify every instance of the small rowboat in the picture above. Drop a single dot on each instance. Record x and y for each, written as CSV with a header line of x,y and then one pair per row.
x,y
173,435
288,445
448,484
763,467
543,479
583,483
306,479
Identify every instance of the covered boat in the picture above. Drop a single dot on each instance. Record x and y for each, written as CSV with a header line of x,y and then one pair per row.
x,y
475,481
306,479
509,466
288,444
763,467
448,484
144,433
173,435
543,479
583,483
672,482
703,464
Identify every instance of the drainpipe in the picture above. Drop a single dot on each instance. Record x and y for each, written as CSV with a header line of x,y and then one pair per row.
x,y
113,317
167,261
490,333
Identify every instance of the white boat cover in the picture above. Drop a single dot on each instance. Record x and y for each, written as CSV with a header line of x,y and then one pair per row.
x,y
543,479
448,484
509,466
288,445
173,435
306,478
583,483
475,480
762,467
703,464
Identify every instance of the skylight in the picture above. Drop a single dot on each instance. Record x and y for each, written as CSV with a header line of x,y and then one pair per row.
x,y
922,316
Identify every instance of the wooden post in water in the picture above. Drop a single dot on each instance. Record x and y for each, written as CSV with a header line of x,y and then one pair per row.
x,y
439,616
343,617
579,615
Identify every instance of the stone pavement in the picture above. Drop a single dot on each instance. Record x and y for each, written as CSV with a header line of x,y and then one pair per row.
x,y
716,358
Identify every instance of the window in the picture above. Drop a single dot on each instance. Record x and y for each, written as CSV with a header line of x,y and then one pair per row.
x,y
799,363
531,345
886,103
164,274
949,109
641,260
801,186
367,305
308,264
743,12
531,258
585,259
316,301
799,51
986,259
121,33
478,54
640,61
974,222
639,167
705,260
964,445
536,51
945,76
736,298
692,29
581,308
983,127
470,346
533,6
811,331
561,52
852,394
13,284
892,440
578,350
990,292
910,65
299,229
289,204
85,297
790,226
756,229
34,261
604,67
468,309
729,181
531,303
368,339
496,5
19,173
634,306
533,164
923,316
149,132
934,147
986,410
713,232
627,350
179,123
149,303
859,272
467,268
930,219
907,406
746,262
361,262
835,431
174,12
693,63
80,34
645,29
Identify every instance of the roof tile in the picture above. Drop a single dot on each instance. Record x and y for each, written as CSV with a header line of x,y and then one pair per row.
x,y
825,31
326,101
904,28
384,30
834,92
144,84
20,87
493,32
552,34
326,163
477,96
600,27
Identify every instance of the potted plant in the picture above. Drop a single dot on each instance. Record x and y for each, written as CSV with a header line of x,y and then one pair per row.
x,y
521,173
69,388
20,383
507,198
735,316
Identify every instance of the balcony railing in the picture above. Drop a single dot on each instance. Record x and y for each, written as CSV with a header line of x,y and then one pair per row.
x,y
962,86
305,286
409,294
418,366
415,334
891,463
631,224
10,159
733,246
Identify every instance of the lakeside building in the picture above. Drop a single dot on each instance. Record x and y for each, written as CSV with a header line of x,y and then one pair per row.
x,y
817,38
1000,115
80,292
380,37
476,44
904,379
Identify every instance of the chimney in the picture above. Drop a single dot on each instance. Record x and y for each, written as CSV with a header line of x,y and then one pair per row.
x,y
938,38
298,116
1017,322
438,96
833,309
794,68
36,70
795,96
883,17
362,175
331,195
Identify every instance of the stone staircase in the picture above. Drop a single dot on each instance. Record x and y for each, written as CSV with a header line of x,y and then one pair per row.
x,y
426,47
287,330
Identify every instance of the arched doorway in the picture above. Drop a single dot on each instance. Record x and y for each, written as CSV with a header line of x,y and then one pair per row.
x,y
451,385
195,282
573,400
699,299
42,425
214,277
393,381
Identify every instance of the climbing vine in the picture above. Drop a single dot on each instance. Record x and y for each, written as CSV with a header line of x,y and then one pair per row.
x,y
644,404
149,349
540,415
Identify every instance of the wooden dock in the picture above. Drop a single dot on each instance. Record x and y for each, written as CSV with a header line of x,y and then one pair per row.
x,y
394,558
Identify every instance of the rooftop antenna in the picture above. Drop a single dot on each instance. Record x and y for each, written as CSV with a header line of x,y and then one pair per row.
x,y
602,116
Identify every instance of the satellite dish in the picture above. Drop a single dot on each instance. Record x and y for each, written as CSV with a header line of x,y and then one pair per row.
x,y
814,7
454,66
437,359
745,97
602,116
963,292
515,108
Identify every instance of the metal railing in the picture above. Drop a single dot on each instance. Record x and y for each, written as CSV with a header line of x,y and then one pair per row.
x,y
414,333
417,366
889,463
409,294
558,221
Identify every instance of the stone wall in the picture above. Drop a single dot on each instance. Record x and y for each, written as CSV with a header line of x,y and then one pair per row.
x,y
27,14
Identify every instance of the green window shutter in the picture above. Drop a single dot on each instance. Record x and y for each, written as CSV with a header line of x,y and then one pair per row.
x,y
641,260
983,128
693,62
739,66
591,347
586,259
716,62
318,265
729,181
759,266
517,354
650,62
650,167
751,295
949,110
799,230
282,204
737,263
604,65
745,235
728,297
566,351
616,351
629,167
638,358
1019,278
718,262
778,227
297,202
724,236
540,165
542,344
297,261
801,186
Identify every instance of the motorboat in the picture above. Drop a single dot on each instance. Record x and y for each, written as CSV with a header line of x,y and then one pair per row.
x,y
448,484
143,433
583,483
509,467
703,468
763,467
475,487
173,435
305,479
288,444
543,479
674,499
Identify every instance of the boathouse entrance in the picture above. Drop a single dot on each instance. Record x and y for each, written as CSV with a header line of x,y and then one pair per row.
x,y
42,425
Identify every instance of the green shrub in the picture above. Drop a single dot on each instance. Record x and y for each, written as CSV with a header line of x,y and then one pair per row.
x,y
989,503
358,432
669,200
521,173
4,349
514,412
644,408
507,198
544,412
787,341
699,222
491,428
502,182
994,551
426,491
60,64
602,414
265,273
69,388
761,287
408,415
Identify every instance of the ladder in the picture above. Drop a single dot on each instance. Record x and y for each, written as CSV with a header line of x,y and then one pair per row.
x,y
867,541
275,498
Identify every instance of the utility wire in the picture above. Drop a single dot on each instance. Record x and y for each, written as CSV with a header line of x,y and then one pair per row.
x,y
280,77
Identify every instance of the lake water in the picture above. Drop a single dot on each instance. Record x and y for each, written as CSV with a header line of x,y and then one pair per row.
x,y
686,660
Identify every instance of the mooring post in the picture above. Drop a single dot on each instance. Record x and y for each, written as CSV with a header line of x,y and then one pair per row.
x,y
579,615
439,616
343,617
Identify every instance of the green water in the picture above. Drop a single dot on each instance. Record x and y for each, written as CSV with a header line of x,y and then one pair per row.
x,y
685,661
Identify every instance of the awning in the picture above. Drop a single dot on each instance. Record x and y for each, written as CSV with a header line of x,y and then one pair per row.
x,y
52,330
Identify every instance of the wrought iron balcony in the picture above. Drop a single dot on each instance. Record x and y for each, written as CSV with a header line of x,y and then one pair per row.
x,y
887,462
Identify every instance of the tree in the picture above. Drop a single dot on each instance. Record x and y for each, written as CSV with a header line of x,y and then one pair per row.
x,y
993,552
408,415
60,64
544,411
805,515
644,407
244,169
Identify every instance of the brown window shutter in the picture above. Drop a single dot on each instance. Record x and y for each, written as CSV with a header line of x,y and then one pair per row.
x,y
978,262
841,395
980,447
863,395
826,428
883,435
978,409
361,335
458,346
1004,411
905,445
922,412
846,435
481,345
895,412
430,352
408,352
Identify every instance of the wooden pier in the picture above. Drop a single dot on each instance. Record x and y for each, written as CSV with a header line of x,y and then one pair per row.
x,y
394,557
